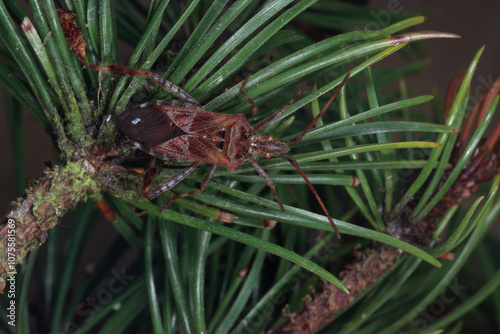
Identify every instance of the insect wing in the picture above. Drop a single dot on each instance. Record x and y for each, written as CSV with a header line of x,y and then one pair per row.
x,y
147,126
198,121
192,147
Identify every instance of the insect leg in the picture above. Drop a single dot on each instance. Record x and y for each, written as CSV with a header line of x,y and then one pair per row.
x,y
150,175
202,187
171,182
269,182
129,71
242,92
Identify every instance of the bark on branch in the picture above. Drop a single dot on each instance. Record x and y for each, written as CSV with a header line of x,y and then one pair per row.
x,y
46,201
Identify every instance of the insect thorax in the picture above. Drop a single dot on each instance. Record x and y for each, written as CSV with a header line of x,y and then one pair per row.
x,y
239,143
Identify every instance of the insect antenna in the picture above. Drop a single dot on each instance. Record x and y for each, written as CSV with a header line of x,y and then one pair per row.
x,y
296,165
271,118
299,137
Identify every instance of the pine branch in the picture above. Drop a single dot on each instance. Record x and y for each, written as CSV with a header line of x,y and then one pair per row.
x,y
49,198
370,264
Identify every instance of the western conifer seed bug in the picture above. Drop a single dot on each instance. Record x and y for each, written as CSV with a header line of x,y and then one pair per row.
x,y
184,130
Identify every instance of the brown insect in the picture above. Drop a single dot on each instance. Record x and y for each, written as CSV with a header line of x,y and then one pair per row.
x,y
185,131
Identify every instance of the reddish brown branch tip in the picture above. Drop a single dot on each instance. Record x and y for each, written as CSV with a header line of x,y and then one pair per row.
x,y
72,32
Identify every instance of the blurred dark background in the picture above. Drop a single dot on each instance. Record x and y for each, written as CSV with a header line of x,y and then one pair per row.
x,y
476,22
